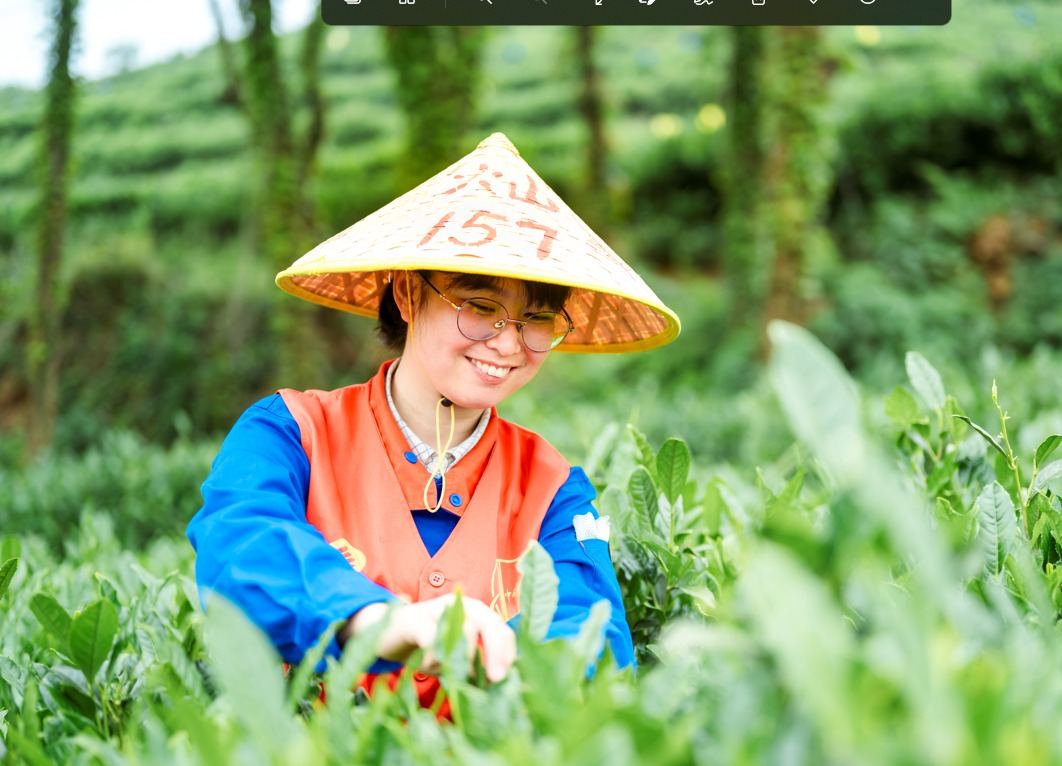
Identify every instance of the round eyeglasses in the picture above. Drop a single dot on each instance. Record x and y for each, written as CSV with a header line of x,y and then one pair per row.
x,y
483,318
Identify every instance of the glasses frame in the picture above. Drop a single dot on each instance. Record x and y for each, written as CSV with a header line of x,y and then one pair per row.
x,y
519,324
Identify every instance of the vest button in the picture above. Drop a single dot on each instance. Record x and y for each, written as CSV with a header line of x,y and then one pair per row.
x,y
436,579
455,501
411,457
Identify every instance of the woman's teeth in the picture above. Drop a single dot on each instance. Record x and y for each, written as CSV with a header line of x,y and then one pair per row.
x,y
497,372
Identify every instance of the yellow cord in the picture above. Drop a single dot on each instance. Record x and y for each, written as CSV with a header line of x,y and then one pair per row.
x,y
441,457
440,452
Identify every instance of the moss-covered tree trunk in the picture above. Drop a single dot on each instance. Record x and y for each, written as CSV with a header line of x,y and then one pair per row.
x,y
591,105
746,241
284,220
798,170
778,171
44,349
438,72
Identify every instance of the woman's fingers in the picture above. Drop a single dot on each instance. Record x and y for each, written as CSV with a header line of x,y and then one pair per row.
x,y
499,640
416,626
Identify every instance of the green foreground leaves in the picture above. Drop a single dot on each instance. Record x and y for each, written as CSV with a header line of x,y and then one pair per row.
x,y
857,601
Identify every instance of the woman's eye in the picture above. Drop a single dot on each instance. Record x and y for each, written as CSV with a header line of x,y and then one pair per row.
x,y
482,309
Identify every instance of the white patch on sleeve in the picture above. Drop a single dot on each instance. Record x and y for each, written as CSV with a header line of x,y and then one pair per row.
x,y
589,528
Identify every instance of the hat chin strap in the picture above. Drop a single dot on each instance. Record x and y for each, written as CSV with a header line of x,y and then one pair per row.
x,y
443,402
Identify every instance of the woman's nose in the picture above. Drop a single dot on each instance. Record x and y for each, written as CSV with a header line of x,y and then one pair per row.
x,y
508,341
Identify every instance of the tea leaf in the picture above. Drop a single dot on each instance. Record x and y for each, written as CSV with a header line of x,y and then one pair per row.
x,y
995,511
7,573
52,617
300,679
538,590
1047,446
644,495
819,399
925,379
901,408
645,452
11,548
1048,473
987,436
591,638
91,635
672,468
249,670
1041,514
713,507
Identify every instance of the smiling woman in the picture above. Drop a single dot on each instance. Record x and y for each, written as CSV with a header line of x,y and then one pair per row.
x,y
328,505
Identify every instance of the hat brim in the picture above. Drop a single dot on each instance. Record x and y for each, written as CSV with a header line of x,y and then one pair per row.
x,y
598,316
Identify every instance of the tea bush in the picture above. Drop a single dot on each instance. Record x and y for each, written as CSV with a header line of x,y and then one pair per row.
x,y
858,600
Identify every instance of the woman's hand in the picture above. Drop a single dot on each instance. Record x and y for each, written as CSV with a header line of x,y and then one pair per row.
x,y
414,626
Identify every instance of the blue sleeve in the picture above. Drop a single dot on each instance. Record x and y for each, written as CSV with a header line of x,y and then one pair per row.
x,y
254,545
584,568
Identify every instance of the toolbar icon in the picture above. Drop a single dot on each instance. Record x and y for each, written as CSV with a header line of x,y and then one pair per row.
x,y
647,2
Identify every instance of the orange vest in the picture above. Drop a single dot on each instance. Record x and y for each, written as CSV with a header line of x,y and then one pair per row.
x,y
363,488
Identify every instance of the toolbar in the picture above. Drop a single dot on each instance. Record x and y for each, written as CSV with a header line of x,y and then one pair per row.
x,y
635,12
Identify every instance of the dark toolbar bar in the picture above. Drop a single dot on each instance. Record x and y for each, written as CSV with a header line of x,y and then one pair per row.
x,y
635,12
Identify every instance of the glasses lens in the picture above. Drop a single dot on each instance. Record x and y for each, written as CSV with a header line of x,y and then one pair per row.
x,y
545,331
481,318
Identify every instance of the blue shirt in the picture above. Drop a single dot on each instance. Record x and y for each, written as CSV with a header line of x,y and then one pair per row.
x,y
254,545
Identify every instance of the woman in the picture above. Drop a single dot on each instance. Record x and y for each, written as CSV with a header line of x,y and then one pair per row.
x,y
330,505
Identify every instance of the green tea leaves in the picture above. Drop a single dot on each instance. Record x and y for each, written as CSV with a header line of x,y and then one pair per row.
x,y
995,512
1047,474
7,574
672,468
91,635
645,452
10,548
52,617
538,591
925,379
249,671
818,398
902,409
644,495
987,436
1046,448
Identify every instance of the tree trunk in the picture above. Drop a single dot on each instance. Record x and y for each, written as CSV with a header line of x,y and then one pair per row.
x,y
284,229
438,73
591,106
593,199
44,349
778,173
745,233
798,170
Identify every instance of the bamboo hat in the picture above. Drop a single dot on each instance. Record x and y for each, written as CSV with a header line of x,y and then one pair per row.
x,y
489,213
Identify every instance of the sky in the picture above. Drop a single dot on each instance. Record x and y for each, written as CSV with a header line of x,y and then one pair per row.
x,y
157,29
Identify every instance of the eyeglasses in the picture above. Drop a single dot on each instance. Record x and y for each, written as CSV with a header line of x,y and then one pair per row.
x,y
482,319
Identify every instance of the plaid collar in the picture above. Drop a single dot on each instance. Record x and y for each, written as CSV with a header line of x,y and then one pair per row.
x,y
425,454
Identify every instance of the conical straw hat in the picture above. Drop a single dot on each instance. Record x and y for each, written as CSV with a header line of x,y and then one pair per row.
x,y
489,213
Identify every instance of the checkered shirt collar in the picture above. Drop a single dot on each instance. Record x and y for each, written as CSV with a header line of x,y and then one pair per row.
x,y
425,454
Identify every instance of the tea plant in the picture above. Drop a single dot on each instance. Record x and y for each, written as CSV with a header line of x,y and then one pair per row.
x,y
863,600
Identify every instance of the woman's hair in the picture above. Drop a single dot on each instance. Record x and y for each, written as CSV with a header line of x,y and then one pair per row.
x,y
391,327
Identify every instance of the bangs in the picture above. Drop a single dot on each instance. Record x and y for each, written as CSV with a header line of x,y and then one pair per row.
x,y
541,295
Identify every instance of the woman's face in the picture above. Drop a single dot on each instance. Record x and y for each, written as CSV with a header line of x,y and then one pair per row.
x,y
476,374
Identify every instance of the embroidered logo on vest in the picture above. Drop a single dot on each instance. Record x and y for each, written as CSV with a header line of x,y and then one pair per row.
x,y
353,556
503,582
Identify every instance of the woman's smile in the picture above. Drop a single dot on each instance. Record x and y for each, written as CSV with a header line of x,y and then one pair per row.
x,y
489,372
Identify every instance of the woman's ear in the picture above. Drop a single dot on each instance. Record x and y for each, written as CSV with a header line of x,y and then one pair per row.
x,y
402,295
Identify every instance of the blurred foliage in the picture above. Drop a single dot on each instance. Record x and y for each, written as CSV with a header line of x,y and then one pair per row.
x,y
888,598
